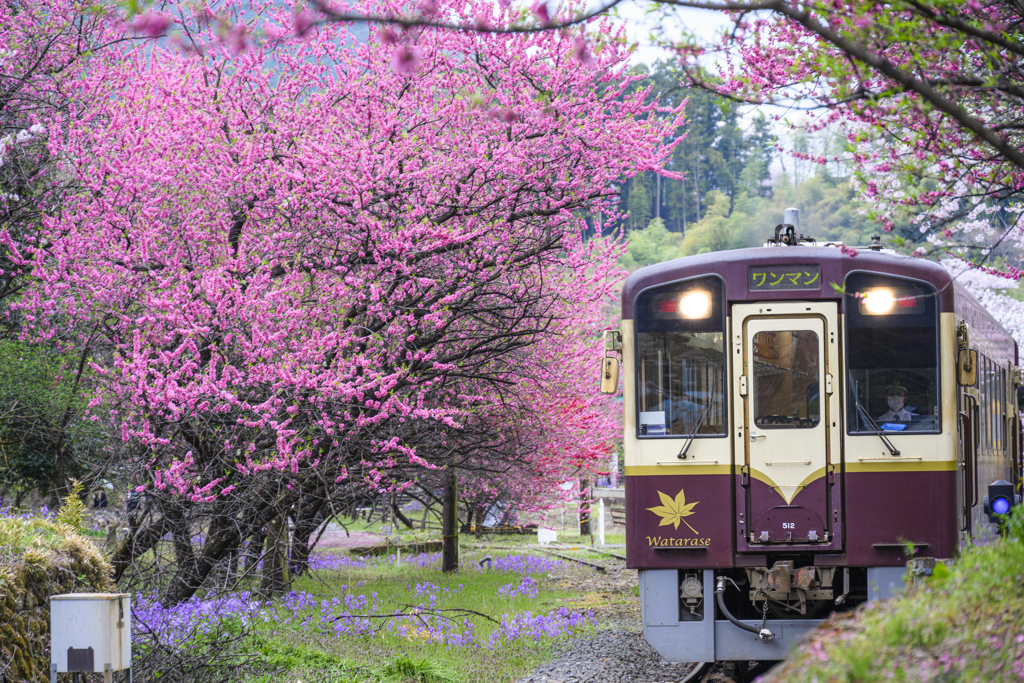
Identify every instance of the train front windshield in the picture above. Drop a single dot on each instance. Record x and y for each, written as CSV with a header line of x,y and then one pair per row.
x,y
892,342
681,359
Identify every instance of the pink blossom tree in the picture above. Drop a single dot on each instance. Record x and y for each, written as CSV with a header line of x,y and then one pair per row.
x,y
302,265
929,91
42,47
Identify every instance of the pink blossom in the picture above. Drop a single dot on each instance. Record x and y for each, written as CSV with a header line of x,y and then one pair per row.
x,y
581,50
150,24
540,10
275,32
302,22
341,179
236,38
405,59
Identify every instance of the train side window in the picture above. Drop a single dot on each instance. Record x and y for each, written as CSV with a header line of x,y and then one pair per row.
x,y
1001,398
892,351
680,351
990,400
983,411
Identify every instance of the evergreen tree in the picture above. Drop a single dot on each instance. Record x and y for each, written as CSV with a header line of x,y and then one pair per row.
x,y
639,203
713,156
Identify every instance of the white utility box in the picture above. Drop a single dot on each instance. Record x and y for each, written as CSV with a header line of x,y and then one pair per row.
x,y
90,632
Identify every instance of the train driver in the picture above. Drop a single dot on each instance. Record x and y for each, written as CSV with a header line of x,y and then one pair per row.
x,y
896,397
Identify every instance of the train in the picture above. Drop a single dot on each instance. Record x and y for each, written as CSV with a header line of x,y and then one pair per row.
x,y
801,421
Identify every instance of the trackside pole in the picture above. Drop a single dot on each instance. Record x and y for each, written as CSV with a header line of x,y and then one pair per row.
x,y
600,521
450,523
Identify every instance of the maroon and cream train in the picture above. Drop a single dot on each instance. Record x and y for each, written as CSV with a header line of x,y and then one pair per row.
x,y
795,418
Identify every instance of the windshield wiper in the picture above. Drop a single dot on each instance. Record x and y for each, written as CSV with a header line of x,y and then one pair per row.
x,y
700,422
871,422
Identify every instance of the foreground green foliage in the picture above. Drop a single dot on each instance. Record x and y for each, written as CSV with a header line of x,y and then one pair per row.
x,y
965,623
45,441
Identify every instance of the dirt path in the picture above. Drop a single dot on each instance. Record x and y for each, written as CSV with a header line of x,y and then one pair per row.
x,y
336,537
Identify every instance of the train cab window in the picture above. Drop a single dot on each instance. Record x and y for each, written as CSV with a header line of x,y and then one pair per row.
x,y
786,374
892,343
681,359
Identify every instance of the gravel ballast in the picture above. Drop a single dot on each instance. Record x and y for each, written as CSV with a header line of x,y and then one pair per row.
x,y
619,656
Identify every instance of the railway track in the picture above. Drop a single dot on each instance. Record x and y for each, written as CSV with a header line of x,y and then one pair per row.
x,y
727,672
624,657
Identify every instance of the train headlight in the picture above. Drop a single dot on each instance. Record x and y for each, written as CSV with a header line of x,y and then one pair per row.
x,y
879,301
1000,499
695,304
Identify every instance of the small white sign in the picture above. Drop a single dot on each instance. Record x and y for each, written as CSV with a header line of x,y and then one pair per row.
x,y
652,423
546,535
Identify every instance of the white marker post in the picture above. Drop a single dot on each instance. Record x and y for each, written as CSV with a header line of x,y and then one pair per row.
x,y
600,521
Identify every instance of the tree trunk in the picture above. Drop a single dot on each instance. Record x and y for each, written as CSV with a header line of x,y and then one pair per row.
x,y
137,543
308,520
299,556
400,516
479,526
224,535
276,576
584,508
222,539
657,196
450,524
181,535
253,551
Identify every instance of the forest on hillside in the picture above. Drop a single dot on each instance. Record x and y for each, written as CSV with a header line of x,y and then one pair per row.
x,y
736,182
741,169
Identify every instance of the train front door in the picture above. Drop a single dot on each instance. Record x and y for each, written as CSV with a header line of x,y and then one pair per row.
x,y
786,361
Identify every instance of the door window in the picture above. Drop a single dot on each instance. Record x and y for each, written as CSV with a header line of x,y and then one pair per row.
x,y
786,386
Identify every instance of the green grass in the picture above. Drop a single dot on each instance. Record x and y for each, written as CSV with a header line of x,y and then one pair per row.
x,y
966,623
390,656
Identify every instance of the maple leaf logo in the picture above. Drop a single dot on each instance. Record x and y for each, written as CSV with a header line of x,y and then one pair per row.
x,y
672,511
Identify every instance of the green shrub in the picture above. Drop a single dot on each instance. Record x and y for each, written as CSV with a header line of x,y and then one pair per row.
x,y
422,670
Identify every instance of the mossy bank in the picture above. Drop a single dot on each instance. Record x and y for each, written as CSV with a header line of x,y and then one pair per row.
x,y
39,558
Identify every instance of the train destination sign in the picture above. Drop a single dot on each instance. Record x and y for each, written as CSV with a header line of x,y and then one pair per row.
x,y
777,278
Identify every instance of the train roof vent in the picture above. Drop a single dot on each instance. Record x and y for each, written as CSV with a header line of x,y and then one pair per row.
x,y
788,232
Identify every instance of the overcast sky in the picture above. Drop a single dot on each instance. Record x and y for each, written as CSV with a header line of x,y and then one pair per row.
x,y
704,24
